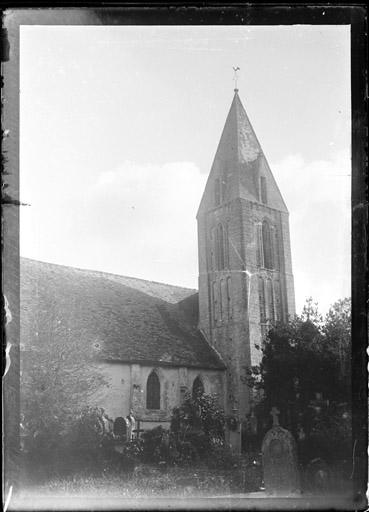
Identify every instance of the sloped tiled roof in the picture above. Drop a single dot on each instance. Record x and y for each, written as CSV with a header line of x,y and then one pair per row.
x,y
239,162
120,318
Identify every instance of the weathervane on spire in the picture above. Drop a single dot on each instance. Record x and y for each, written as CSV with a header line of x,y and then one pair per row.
x,y
235,78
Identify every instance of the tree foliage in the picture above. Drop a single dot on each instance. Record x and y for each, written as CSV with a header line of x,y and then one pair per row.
x,y
57,381
304,361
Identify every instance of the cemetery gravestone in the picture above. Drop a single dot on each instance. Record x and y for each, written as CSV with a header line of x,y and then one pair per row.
x,y
279,458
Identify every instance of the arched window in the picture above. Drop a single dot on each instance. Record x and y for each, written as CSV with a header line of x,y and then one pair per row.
x,y
276,251
153,391
217,192
263,190
224,293
226,246
213,248
220,247
197,387
270,300
221,298
215,303
120,427
262,301
223,187
277,293
229,300
267,245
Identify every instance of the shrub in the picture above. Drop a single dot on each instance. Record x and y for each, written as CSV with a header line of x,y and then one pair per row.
x,y
221,457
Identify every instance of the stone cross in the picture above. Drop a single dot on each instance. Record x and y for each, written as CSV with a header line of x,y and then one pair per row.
x,y
275,412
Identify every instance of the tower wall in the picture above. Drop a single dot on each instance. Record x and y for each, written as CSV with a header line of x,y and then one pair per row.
x,y
245,267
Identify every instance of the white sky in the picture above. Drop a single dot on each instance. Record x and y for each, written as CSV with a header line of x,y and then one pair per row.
x,y
119,127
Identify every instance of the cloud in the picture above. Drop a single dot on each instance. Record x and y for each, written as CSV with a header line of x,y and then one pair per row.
x,y
318,196
142,219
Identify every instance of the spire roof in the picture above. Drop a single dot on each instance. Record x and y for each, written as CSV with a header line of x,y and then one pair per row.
x,y
240,162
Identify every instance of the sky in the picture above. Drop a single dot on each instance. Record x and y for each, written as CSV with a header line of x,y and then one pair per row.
x,y
119,126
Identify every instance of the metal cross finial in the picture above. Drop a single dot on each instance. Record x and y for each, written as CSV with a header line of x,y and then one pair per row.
x,y
235,77
275,412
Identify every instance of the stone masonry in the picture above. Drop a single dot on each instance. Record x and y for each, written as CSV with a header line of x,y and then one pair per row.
x,y
245,268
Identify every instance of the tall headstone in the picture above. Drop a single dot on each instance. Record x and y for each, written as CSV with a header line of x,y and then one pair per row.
x,y
279,456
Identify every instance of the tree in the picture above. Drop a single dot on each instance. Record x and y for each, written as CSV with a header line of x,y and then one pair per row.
x,y
305,372
59,376
197,425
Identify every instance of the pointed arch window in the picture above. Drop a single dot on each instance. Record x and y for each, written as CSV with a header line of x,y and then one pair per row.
x,y
220,248
262,301
263,190
229,300
213,248
270,300
226,245
217,192
276,251
267,245
197,387
223,187
153,391
120,427
221,298
215,303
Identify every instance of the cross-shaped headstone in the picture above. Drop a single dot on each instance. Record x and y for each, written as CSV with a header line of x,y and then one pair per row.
x,y
275,412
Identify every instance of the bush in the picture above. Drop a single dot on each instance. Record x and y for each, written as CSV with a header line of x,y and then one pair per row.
x,y
197,426
221,457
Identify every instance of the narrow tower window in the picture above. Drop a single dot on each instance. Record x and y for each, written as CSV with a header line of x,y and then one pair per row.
x,y
270,300
220,247
262,301
277,296
263,190
221,300
276,250
215,302
153,391
223,187
229,291
226,246
267,245
217,192
213,244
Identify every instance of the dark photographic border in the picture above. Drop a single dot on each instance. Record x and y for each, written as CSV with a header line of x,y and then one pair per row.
x,y
110,13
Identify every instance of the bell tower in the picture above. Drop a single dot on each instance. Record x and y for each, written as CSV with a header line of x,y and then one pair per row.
x,y
245,269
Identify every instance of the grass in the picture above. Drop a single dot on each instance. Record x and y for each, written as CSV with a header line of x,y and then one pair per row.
x,y
148,481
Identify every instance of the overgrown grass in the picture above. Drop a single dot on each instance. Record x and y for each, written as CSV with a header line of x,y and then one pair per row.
x,y
149,481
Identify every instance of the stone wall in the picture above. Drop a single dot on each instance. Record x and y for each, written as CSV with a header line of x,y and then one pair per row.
x,y
236,330
126,389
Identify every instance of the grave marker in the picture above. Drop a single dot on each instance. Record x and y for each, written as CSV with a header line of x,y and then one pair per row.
x,y
279,456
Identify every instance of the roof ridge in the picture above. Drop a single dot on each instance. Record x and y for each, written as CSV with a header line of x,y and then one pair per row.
x,y
106,273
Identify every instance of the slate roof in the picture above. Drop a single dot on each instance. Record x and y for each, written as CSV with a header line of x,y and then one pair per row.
x,y
239,161
120,318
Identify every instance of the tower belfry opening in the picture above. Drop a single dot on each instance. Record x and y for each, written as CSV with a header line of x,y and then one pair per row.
x,y
245,269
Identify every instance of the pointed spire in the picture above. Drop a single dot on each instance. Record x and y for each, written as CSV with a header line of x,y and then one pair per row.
x,y
240,161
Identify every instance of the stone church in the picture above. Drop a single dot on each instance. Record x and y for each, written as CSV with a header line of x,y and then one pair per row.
x,y
153,342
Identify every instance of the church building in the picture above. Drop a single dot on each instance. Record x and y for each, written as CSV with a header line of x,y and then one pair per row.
x,y
154,342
